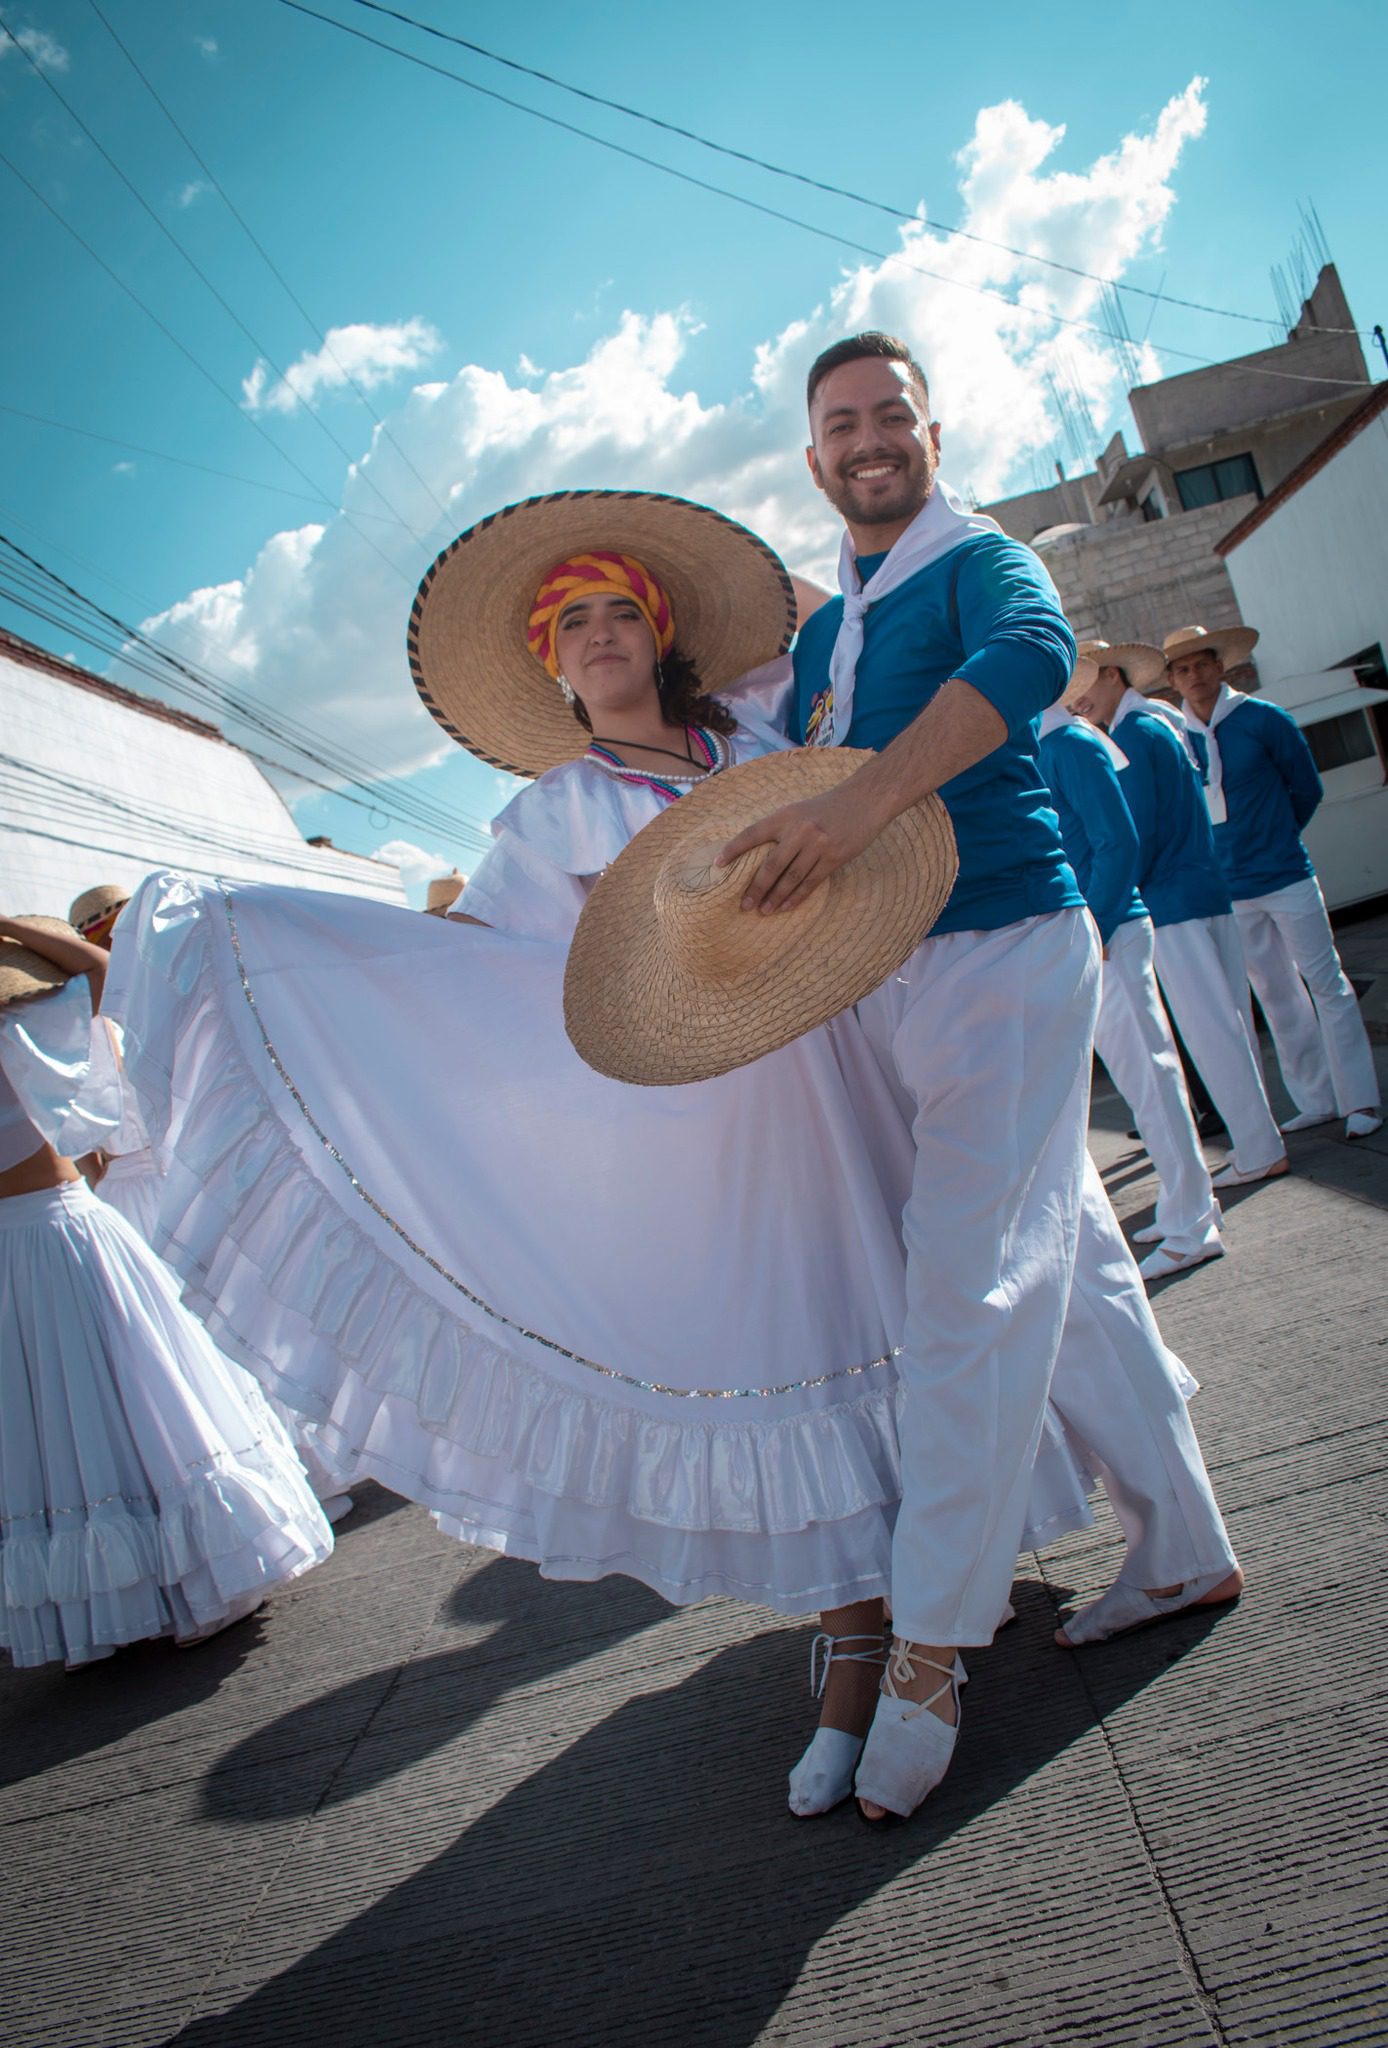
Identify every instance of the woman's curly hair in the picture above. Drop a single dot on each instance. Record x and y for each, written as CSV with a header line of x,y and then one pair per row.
x,y
684,697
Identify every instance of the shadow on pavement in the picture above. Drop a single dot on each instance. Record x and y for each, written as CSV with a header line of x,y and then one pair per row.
x,y
50,1717
649,1886
544,1627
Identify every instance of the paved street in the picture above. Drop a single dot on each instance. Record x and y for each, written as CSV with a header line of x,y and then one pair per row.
x,y
428,1799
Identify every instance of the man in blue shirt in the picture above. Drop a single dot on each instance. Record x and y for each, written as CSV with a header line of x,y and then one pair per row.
x,y
1133,1036
1199,960
944,650
1262,789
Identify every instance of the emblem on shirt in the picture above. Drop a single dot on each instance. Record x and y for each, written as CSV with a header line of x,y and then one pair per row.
x,y
821,714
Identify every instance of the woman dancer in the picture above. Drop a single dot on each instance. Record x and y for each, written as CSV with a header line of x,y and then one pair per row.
x,y
646,1331
145,1489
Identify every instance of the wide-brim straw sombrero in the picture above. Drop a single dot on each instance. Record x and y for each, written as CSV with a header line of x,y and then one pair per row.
x,y
1232,644
97,907
1143,664
24,974
730,595
670,980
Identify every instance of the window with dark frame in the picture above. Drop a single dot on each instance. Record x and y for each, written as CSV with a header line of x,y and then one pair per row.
x,y
1234,476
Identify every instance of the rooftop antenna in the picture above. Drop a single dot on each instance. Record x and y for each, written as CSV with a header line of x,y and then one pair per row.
x,y
1120,339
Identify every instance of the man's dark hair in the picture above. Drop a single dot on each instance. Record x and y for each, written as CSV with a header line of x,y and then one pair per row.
x,y
885,346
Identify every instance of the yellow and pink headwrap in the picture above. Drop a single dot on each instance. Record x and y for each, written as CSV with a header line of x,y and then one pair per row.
x,y
598,574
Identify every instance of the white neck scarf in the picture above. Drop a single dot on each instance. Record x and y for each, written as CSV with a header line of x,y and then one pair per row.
x,y
1056,715
940,525
1228,700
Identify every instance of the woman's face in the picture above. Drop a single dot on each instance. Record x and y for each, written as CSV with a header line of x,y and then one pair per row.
x,y
606,652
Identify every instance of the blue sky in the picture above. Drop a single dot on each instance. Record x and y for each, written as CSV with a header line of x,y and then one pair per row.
x,y
533,311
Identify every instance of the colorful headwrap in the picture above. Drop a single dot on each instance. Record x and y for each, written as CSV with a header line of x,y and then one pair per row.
x,y
595,575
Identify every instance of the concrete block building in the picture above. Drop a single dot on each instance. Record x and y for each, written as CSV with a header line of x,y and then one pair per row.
x,y
1132,545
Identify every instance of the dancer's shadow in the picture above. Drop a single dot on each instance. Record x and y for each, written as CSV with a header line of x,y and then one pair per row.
x,y
649,1884
542,1628
50,1717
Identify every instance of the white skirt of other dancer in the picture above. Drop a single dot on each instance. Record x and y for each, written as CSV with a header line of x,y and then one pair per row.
x,y
648,1331
145,1488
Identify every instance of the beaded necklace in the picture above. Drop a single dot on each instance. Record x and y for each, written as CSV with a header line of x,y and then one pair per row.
x,y
666,788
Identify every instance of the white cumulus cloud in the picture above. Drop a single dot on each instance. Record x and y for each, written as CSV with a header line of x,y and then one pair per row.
x,y
317,621
42,47
192,192
361,354
417,868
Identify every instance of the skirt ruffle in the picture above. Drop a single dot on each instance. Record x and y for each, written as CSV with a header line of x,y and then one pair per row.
x,y
354,1323
145,1487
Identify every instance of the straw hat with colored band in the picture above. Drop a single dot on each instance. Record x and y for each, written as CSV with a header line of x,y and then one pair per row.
x,y
728,595
1232,644
670,980
24,974
95,911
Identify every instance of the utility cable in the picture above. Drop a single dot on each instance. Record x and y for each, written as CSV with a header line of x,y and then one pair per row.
x,y
265,255
761,163
207,283
794,220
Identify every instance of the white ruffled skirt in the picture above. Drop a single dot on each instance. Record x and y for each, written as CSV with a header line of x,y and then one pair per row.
x,y
607,1329
145,1488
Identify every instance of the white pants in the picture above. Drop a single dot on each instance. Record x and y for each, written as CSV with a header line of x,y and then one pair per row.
x,y
1201,970
1322,1046
1011,1241
1123,1395
1133,1039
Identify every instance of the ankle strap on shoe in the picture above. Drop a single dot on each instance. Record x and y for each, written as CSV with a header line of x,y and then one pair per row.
x,y
901,1669
825,1650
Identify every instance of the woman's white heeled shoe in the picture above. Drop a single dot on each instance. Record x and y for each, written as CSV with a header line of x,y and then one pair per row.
x,y
908,1749
823,1778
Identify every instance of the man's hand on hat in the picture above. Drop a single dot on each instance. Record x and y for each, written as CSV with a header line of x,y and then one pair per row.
x,y
808,842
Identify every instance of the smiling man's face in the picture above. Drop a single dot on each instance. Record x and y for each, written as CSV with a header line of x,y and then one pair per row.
x,y
874,449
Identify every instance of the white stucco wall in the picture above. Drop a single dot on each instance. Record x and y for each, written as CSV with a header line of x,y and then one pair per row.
x,y
94,790
1313,576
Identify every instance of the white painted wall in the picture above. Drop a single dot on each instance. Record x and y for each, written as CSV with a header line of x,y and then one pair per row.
x,y
93,790
1313,577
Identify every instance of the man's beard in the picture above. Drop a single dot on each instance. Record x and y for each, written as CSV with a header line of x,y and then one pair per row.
x,y
913,488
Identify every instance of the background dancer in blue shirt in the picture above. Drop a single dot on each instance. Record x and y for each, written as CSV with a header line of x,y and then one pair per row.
x,y
946,647
1262,790
1133,1035
1199,958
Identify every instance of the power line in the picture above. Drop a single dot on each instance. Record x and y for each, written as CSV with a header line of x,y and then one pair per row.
x,y
206,281
185,462
40,592
265,255
760,163
794,220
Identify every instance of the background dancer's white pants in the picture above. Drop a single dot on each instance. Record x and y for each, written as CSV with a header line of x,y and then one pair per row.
x,y
1123,1395
989,1034
1311,1008
1133,1039
1201,970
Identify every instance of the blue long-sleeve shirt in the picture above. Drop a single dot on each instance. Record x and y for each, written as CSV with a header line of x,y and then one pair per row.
x,y
1096,825
987,612
1271,790
1178,875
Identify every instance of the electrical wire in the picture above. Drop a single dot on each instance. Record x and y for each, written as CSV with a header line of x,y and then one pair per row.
x,y
1239,366
39,419
215,182
207,283
40,592
762,163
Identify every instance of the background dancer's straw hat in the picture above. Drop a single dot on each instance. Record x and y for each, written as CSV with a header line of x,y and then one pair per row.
x,y
1232,644
670,980
98,907
443,893
1143,665
730,597
24,974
